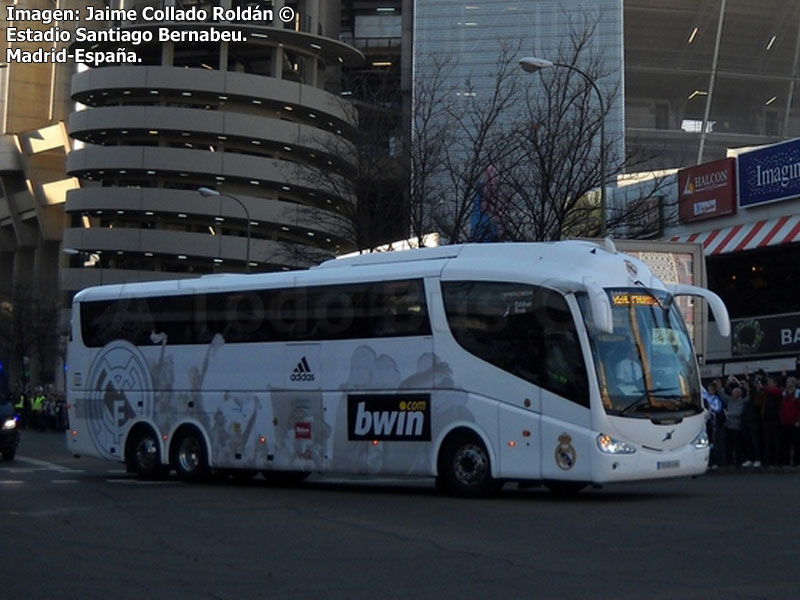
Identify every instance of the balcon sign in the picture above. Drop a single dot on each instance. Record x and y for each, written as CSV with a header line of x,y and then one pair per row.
x,y
707,190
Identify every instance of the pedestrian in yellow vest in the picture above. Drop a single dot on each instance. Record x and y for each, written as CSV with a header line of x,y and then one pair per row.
x,y
37,410
20,409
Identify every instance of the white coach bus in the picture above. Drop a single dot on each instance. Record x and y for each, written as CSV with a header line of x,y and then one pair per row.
x,y
565,363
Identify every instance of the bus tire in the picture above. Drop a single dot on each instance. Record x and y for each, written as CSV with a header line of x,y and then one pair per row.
x,y
143,454
189,456
464,468
9,454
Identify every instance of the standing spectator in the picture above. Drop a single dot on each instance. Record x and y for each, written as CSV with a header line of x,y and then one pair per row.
x,y
733,401
37,410
61,412
771,422
751,424
50,410
21,408
716,423
790,424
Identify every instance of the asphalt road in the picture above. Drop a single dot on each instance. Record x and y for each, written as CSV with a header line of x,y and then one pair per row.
x,y
84,529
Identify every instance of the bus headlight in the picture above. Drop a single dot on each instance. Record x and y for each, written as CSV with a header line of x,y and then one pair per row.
x,y
609,445
9,424
701,442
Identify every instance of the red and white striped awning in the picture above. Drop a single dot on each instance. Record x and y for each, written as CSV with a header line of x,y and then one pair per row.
x,y
747,236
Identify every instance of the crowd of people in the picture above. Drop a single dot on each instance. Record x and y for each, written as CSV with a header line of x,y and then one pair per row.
x,y
41,409
754,421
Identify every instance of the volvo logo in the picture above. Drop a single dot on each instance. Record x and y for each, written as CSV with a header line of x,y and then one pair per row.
x,y
668,437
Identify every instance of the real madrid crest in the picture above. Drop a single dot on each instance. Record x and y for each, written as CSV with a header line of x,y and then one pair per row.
x,y
119,388
565,453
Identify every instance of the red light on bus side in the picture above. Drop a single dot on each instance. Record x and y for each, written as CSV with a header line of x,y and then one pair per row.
x,y
165,437
512,443
74,433
262,440
375,442
526,433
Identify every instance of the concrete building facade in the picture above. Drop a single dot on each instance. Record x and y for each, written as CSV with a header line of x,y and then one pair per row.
x,y
715,74
244,118
34,104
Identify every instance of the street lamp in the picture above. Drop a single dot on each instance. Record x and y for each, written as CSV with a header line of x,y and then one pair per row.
x,y
533,64
209,193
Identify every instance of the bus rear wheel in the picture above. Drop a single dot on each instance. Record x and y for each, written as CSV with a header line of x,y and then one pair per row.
x,y
189,456
465,469
143,455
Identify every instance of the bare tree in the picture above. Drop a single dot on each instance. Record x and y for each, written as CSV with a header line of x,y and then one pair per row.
x,y
547,187
476,139
495,155
362,175
29,333
521,159
426,144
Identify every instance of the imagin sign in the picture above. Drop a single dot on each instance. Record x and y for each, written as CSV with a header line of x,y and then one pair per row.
x,y
769,174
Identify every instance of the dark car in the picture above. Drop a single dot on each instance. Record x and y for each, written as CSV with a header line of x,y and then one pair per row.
x,y
9,434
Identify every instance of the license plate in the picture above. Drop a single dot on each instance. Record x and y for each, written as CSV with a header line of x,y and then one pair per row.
x,y
668,464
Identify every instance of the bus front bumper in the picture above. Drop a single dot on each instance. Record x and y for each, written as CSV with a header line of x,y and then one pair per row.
x,y
649,464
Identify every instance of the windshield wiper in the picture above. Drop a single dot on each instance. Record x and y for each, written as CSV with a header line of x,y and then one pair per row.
x,y
645,399
650,293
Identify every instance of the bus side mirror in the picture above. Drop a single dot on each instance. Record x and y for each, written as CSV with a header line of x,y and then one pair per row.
x,y
714,301
601,306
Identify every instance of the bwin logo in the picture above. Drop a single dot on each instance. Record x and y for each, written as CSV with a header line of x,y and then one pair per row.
x,y
391,417
302,372
388,424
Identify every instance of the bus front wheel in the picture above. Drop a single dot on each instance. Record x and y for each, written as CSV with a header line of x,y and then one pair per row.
x,y
189,456
464,468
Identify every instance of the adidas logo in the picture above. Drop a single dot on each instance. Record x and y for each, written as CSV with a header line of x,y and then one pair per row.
x,y
302,372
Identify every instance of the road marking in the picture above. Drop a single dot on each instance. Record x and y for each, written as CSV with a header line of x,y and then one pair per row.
x,y
48,465
64,481
11,481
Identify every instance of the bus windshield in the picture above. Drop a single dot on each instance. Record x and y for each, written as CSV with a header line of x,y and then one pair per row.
x,y
646,366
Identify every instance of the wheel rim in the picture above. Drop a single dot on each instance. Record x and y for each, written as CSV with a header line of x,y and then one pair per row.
x,y
470,465
146,453
189,455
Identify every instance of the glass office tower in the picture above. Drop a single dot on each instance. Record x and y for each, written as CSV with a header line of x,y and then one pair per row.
x,y
471,34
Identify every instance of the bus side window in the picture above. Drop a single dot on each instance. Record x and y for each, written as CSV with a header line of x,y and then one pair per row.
x,y
399,309
174,315
565,371
523,329
126,319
